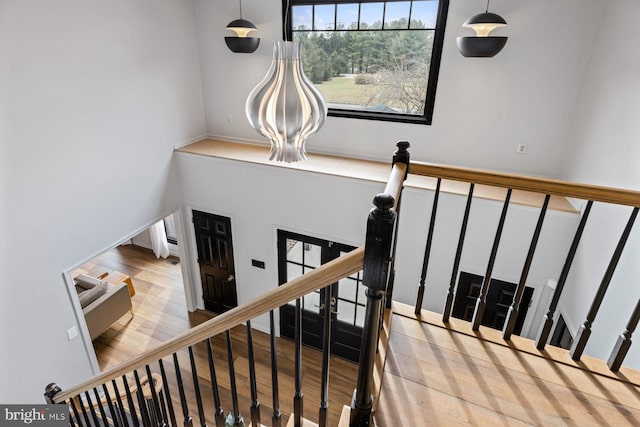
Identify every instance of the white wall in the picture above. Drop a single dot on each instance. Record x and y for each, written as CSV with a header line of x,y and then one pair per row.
x,y
484,107
603,149
97,93
259,199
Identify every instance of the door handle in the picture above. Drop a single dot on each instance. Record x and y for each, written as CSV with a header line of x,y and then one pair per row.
x,y
230,278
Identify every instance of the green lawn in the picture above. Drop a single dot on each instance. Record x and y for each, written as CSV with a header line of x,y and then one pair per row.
x,y
343,90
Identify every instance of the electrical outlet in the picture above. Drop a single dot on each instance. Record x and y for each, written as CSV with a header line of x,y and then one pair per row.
x,y
521,148
72,332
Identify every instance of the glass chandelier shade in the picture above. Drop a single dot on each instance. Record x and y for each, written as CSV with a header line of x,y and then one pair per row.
x,y
285,106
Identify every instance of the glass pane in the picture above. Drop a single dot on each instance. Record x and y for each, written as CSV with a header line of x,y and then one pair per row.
x,y
312,301
301,17
362,296
312,255
382,71
360,317
346,312
293,271
347,289
294,251
371,15
347,17
396,15
324,18
424,14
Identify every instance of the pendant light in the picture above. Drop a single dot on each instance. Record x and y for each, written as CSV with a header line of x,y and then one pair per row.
x,y
241,43
482,45
285,107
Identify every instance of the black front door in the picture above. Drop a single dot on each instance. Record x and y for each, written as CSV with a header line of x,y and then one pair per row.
x,y
215,257
499,298
299,254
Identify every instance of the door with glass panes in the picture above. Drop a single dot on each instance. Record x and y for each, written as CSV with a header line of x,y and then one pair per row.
x,y
299,254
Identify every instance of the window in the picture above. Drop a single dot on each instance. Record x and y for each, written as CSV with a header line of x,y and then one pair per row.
x,y
371,59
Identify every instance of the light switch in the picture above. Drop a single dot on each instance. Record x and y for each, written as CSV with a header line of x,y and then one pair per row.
x,y
72,333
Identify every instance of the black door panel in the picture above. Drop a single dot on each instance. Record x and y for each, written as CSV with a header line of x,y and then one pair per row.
x,y
299,254
215,258
499,298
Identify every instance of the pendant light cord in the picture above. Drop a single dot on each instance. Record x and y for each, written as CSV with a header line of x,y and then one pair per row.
x,y
285,34
485,11
240,9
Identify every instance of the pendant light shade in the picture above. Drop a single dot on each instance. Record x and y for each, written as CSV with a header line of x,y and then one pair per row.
x,y
482,45
285,107
241,43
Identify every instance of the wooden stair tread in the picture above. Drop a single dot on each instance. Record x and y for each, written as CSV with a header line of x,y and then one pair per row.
x,y
521,344
444,377
305,422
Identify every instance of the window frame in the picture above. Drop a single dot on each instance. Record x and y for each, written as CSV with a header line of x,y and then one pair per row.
x,y
434,68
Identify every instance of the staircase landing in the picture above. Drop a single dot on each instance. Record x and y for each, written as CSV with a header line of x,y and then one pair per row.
x,y
437,376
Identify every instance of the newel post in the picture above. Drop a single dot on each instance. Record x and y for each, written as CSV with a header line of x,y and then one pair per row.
x,y
401,155
377,254
50,391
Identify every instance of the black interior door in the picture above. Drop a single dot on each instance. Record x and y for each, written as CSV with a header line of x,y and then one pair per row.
x,y
499,298
215,258
299,254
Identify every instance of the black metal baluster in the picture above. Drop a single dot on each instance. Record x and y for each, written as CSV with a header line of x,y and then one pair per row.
x,y
584,332
624,341
74,408
219,412
196,386
156,416
103,413
448,305
326,350
130,402
142,402
481,302
275,394
380,225
255,405
87,422
163,409
514,309
237,418
167,393
123,413
298,398
543,336
114,414
188,422
427,249
91,408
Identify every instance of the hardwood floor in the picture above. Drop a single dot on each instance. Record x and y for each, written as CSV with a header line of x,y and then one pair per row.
x,y
439,377
160,314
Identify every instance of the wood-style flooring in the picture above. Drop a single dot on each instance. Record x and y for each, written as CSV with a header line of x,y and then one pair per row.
x,y
160,314
435,376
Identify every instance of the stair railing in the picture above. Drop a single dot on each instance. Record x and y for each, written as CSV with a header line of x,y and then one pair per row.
x,y
141,392
548,188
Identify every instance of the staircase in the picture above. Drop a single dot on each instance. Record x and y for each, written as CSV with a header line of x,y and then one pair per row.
x,y
416,367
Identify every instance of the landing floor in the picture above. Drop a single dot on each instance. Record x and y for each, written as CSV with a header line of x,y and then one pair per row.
x,y
438,377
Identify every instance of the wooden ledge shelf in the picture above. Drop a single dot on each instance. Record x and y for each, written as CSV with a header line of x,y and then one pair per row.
x,y
367,170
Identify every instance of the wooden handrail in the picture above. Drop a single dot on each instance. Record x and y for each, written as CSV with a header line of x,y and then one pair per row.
x,y
396,181
527,183
319,278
